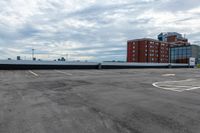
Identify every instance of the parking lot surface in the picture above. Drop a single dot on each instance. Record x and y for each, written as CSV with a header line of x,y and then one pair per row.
x,y
100,101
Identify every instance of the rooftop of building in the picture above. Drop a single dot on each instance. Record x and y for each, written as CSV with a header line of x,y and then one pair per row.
x,y
165,35
170,33
146,39
191,45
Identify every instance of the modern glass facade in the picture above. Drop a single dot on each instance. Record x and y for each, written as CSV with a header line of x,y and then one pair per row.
x,y
180,54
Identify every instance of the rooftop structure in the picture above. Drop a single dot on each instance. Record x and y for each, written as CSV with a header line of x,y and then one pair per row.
x,y
174,38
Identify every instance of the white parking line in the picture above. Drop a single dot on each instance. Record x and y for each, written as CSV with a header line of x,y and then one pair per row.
x,y
172,89
68,74
35,74
168,75
194,88
175,85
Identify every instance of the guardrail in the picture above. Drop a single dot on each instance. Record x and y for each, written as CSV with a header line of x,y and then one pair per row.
x,y
21,65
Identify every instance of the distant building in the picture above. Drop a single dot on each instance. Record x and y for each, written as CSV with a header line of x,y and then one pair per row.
x,y
18,58
174,38
164,35
147,51
170,47
196,53
180,48
181,54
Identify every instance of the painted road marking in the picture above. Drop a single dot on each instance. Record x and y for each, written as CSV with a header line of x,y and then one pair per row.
x,y
168,75
193,88
178,86
68,74
35,74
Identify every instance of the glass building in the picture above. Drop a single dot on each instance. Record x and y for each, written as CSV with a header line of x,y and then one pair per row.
x,y
180,54
163,36
196,53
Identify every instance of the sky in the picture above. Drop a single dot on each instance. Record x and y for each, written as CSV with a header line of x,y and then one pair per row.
x,y
92,30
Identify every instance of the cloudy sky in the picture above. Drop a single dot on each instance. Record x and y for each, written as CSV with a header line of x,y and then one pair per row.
x,y
93,30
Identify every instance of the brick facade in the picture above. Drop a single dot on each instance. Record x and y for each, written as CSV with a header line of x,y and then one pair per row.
x,y
147,51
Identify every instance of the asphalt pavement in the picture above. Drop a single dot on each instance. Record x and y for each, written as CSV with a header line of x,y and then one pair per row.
x,y
100,101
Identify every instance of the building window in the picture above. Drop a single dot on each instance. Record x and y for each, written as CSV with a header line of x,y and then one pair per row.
x,y
151,42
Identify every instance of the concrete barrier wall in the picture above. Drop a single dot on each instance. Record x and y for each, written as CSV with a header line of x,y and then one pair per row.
x,y
25,65
141,65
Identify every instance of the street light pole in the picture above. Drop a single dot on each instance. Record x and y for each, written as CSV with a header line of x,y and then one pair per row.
x,y
33,54
67,57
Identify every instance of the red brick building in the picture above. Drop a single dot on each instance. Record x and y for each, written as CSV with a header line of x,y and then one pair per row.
x,y
175,41
147,51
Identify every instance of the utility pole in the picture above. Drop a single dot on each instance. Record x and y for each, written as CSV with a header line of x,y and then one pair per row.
x,y
67,57
33,50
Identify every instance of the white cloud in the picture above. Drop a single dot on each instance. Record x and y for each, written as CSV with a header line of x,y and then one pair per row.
x,y
90,29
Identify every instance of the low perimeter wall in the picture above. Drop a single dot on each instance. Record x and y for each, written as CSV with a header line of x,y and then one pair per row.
x,y
25,65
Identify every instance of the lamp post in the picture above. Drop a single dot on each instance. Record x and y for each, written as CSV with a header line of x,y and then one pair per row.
x,y
33,50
